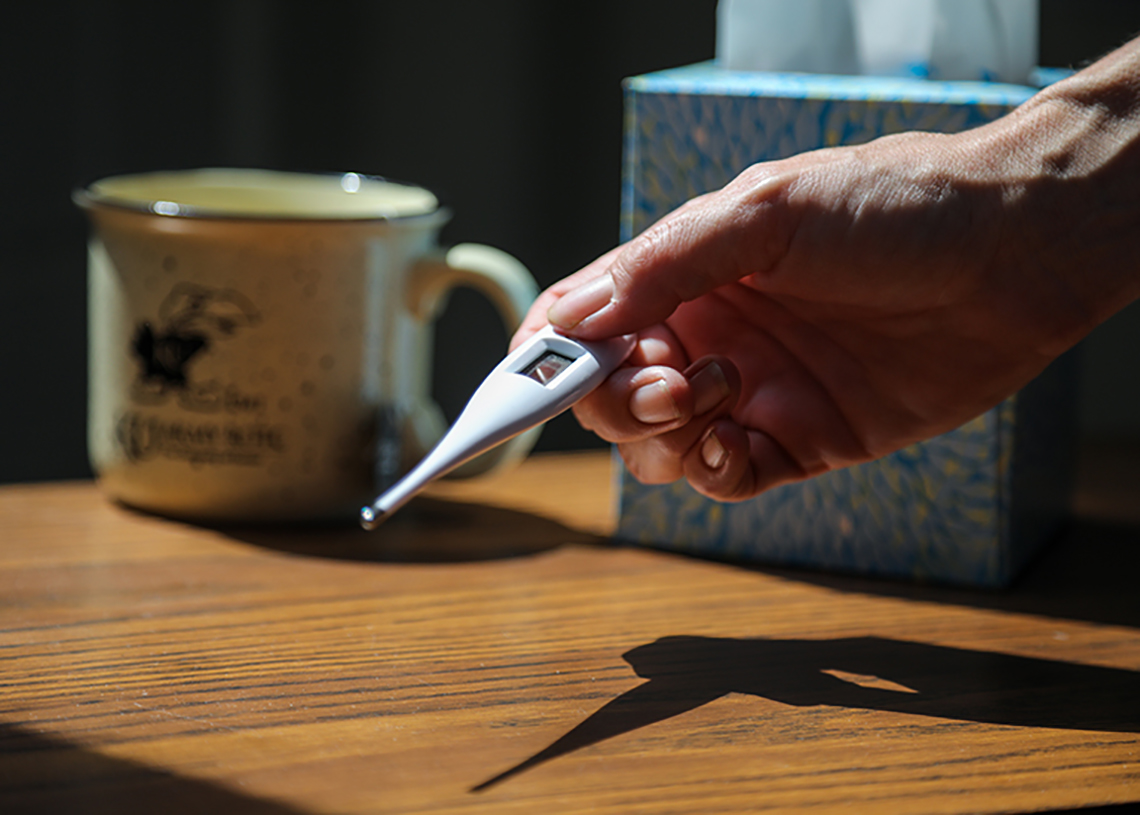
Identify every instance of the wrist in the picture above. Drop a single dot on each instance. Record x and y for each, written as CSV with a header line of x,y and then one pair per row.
x,y
1068,162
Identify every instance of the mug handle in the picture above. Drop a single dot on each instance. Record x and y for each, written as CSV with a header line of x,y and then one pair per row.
x,y
511,289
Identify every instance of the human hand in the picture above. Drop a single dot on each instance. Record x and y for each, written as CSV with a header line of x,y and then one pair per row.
x,y
833,307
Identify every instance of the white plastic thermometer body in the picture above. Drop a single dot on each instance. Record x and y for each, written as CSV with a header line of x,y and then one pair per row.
x,y
534,383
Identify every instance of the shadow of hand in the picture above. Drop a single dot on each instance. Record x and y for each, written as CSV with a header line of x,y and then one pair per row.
x,y
872,673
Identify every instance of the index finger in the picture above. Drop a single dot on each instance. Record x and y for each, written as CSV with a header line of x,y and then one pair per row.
x,y
535,318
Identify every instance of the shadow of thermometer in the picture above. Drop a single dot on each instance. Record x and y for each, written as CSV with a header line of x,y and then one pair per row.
x,y
534,383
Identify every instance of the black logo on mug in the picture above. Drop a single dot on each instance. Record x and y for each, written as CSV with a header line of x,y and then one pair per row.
x,y
191,320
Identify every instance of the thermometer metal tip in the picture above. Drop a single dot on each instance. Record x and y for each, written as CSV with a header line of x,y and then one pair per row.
x,y
370,518
534,383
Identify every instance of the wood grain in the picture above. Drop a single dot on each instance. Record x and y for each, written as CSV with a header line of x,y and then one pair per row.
x,y
489,650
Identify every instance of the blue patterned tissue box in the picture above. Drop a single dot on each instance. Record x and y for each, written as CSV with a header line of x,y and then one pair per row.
x,y
970,507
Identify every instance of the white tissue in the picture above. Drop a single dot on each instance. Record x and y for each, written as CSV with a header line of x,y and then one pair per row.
x,y
948,39
895,38
940,39
815,36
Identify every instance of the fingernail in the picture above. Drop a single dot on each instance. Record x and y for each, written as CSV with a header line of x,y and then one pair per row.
x,y
575,306
653,403
713,452
709,387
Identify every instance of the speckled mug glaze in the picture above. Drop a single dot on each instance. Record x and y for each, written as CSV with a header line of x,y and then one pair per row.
x,y
266,357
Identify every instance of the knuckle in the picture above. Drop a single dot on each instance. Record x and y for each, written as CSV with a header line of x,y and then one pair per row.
x,y
661,246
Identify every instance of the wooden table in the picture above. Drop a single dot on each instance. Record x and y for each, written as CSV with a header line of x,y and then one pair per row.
x,y
489,650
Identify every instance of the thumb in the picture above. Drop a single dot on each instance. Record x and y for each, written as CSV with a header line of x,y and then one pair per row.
x,y
708,242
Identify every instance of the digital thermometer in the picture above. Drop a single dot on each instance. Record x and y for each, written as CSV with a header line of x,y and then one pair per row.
x,y
534,383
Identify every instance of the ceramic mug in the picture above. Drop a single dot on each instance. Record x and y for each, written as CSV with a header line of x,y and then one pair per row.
x,y
260,342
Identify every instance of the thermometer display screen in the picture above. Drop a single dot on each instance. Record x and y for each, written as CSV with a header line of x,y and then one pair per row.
x,y
547,367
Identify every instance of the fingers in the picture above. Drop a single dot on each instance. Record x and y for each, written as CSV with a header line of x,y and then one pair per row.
x,y
535,318
719,459
719,466
709,241
734,464
712,240
671,421
644,403
658,414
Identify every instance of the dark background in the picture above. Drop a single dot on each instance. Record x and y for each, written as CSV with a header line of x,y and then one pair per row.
x,y
511,110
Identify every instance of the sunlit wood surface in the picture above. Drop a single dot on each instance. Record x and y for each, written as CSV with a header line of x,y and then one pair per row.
x,y
489,650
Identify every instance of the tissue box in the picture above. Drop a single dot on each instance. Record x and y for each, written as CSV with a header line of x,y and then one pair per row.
x,y
970,507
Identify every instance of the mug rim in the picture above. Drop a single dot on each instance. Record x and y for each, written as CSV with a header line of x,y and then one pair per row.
x,y
88,198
